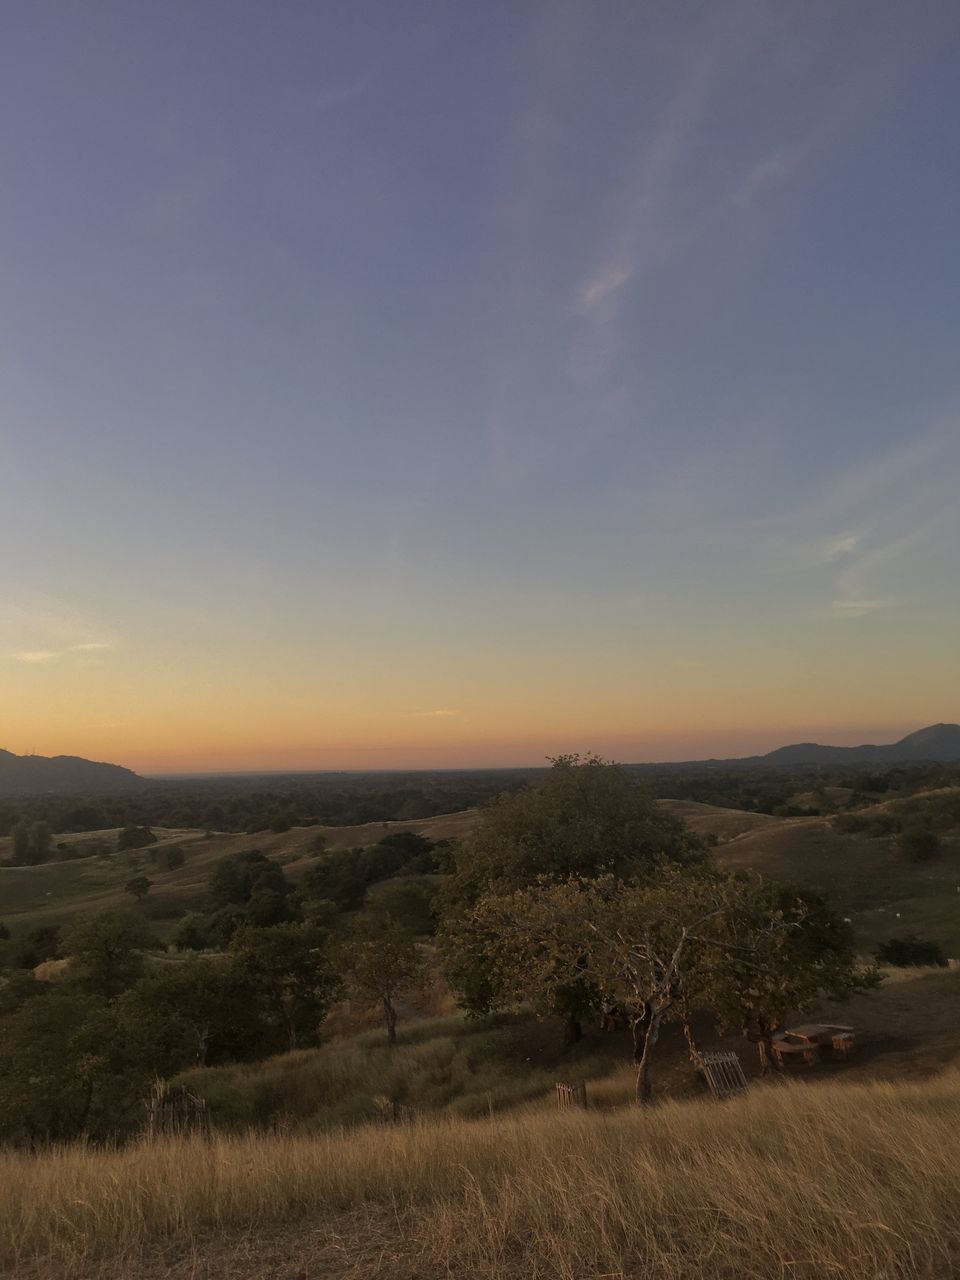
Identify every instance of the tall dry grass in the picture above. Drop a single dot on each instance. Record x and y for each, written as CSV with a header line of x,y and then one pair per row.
x,y
801,1180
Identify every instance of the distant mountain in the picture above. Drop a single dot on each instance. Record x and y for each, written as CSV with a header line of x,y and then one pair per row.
x,y
35,775
939,742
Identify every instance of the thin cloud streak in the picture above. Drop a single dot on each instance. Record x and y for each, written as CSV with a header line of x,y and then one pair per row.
x,y
40,656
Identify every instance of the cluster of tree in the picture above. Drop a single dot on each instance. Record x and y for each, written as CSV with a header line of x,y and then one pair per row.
x,y
771,788
31,842
579,892
267,803
77,1055
918,821
251,889
344,876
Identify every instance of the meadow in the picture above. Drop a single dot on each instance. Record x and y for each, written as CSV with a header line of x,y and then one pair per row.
x,y
793,1180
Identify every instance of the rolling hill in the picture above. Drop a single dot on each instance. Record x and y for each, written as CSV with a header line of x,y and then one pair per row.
x,y
38,775
939,742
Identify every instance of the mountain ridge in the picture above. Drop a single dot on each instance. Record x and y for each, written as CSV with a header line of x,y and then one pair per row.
x,y
37,775
935,744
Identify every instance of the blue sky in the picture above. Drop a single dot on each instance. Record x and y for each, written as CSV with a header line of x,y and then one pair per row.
x,y
453,383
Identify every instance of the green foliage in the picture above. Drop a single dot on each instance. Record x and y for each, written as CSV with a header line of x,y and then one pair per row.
x,y
134,837
236,879
192,933
200,1012
691,937
910,950
289,969
29,949
585,819
31,842
919,842
410,900
65,1070
335,877
168,857
379,959
138,887
106,952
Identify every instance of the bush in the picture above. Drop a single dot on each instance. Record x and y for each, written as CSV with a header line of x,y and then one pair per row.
x,y
910,950
919,843
135,838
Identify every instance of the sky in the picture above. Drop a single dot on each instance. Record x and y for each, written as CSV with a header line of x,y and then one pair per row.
x,y
447,384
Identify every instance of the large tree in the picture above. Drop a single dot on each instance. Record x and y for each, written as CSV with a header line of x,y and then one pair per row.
x,y
587,818
693,938
106,951
193,1014
290,972
380,960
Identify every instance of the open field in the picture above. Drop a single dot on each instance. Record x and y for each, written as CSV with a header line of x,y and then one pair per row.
x,y
858,1181
54,891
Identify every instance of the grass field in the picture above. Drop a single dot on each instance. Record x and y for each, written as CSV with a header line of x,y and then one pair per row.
x,y
451,1066
55,891
867,879
854,1181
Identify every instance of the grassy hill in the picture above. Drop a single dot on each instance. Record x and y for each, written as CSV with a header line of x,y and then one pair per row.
x,y
844,1174
866,877
55,891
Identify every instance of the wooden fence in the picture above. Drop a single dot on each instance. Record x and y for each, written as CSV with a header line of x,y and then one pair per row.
x,y
176,1112
724,1074
389,1111
572,1095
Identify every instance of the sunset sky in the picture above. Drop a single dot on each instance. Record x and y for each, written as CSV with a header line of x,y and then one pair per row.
x,y
414,384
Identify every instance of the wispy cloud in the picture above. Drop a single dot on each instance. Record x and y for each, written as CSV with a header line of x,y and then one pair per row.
x,y
842,545
858,608
441,713
37,656
37,629
773,169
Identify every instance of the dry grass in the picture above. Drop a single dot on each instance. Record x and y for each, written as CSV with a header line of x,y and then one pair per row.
x,y
792,1181
54,892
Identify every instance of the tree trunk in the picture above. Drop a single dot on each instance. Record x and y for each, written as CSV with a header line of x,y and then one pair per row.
x,y
572,1030
646,1029
390,1014
696,1057
291,1029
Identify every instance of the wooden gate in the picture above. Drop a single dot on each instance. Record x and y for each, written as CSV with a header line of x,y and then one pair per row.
x,y
724,1074
572,1095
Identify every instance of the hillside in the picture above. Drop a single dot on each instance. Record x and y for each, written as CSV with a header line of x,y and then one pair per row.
x,y
37,775
866,877
54,891
849,1165
939,742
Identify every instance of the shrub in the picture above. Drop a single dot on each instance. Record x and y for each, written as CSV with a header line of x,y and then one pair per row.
x,y
920,843
910,950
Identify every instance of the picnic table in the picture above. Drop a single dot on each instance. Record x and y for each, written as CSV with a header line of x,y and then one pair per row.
x,y
804,1043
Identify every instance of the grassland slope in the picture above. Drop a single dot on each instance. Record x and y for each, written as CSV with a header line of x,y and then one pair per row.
x,y
791,1181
